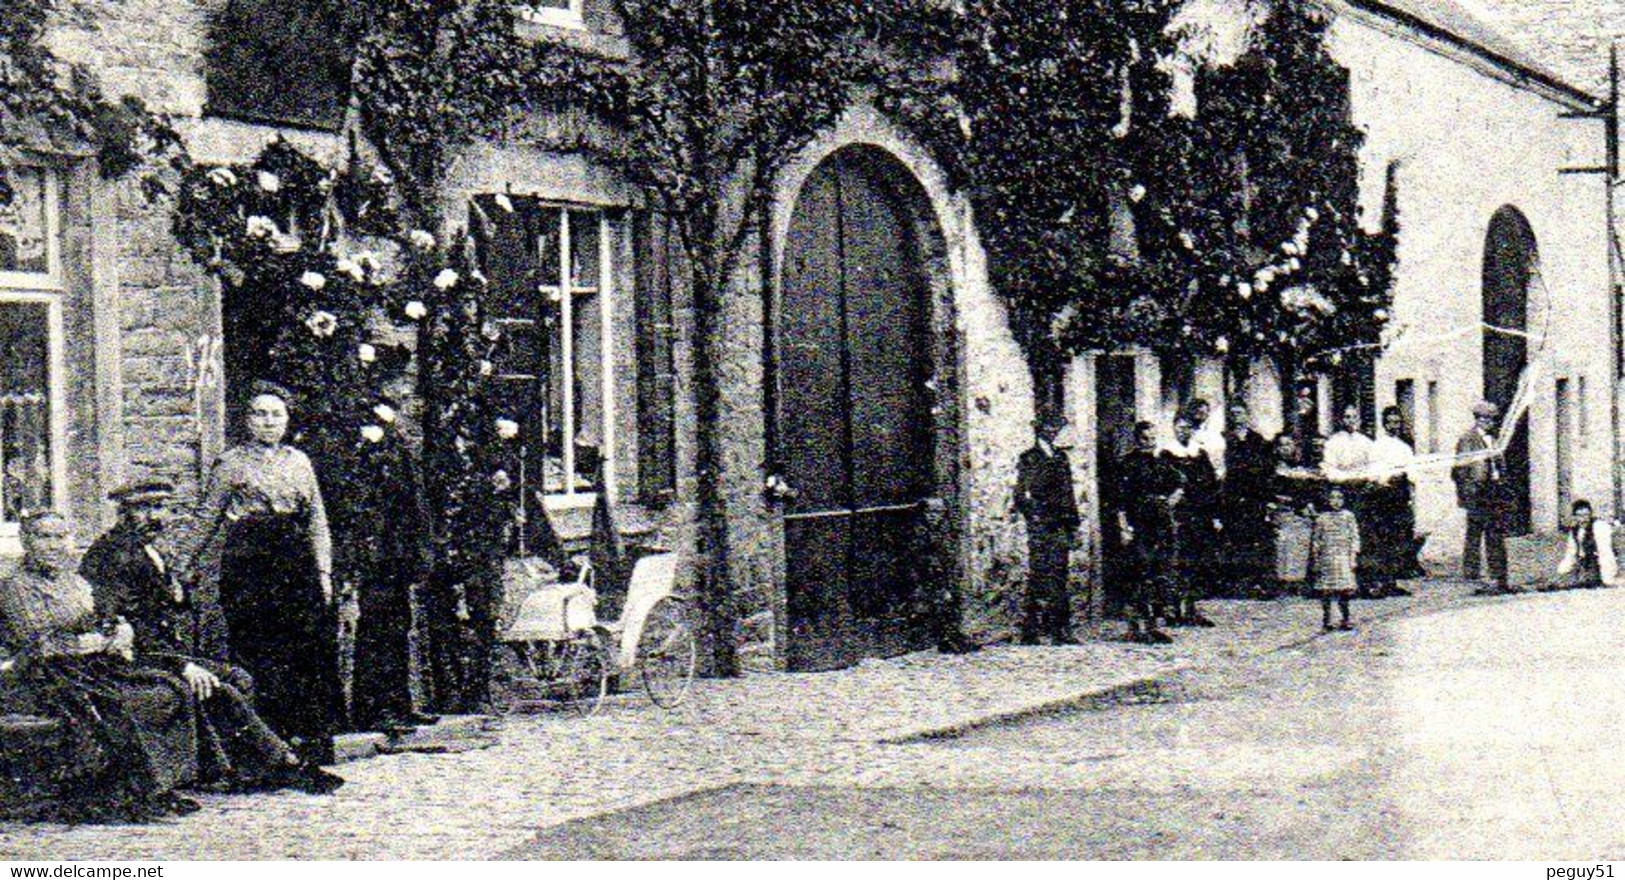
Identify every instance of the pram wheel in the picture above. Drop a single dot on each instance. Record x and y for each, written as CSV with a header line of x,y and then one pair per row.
x,y
583,672
667,653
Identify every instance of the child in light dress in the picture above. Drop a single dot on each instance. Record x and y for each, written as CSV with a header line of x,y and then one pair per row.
x,y
1334,550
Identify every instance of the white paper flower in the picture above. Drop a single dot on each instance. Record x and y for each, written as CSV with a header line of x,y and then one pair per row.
x,y
268,181
1293,265
385,413
323,324
372,433
490,331
313,280
420,239
1244,290
1289,248
501,482
222,177
1311,213
261,227
1380,314
486,367
416,310
366,352
507,429
1137,193
351,268
1221,345
446,279
1186,240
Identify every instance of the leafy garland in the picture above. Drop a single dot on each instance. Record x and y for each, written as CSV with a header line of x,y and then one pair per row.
x,y
1290,272
332,271
47,106
714,98
1110,220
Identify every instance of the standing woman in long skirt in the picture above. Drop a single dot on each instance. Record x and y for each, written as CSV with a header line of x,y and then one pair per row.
x,y
263,508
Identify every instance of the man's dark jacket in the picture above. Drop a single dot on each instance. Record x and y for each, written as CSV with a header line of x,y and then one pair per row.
x,y
127,583
1044,491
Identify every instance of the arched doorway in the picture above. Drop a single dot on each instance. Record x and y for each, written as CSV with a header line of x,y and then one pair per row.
x,y
855,423
1511,260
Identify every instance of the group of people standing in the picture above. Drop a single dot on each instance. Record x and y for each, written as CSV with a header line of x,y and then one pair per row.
x,y
1208,513
115,649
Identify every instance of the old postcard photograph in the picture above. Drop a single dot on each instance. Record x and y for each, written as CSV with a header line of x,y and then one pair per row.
x,y
899,430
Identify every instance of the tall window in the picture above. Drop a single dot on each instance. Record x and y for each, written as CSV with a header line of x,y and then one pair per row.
x,y
553,297
30,333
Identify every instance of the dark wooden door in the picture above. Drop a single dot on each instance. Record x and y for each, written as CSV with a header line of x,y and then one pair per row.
x,y
1510,263
854,422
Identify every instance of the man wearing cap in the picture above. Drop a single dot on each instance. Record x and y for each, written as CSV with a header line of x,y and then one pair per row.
x,y
1482,491
387,557
1047,501
132,578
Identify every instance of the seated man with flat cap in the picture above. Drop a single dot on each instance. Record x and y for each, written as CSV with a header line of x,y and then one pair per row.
x,y
132,579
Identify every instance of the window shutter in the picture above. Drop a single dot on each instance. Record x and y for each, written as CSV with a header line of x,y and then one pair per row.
x,y
505,243
657,277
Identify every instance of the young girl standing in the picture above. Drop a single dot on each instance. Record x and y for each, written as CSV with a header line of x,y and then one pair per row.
x,y
1334,548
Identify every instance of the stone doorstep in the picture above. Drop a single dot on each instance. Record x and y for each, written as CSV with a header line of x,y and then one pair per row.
x,y
450,730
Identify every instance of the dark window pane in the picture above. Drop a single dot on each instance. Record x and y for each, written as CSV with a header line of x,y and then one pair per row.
x,y
25,409
282,61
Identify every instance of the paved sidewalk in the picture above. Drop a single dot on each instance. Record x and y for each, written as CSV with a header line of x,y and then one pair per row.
x,y
849,727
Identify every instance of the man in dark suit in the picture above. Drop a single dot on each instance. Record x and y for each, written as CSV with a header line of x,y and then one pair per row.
x,y
133,579
1249,487
1046,499
387,557
1482,491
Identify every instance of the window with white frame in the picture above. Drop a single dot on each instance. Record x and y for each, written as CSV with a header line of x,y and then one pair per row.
x,y
553,298
577,308
30,346
560,13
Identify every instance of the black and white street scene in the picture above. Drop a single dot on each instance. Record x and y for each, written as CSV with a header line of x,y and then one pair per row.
x,y
726,429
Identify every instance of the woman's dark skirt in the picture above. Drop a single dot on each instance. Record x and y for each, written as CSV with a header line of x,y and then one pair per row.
x,y
283,631
129,737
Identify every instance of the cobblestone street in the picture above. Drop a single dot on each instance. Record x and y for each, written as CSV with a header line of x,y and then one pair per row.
x,y
840,728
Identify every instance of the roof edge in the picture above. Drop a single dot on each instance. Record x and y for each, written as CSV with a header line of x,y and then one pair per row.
x,y
1511,65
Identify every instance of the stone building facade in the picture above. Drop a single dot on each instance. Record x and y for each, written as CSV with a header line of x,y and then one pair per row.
x,y
138,379
1472,129
133,328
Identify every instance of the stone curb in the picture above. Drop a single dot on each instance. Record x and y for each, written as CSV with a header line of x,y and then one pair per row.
x,y
1101,695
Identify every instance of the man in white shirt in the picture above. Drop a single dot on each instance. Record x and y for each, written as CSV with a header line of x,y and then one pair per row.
x,y
1349,452
1588,552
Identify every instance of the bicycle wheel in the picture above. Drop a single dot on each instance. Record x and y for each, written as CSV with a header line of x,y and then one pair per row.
x,y
667,653
583,672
